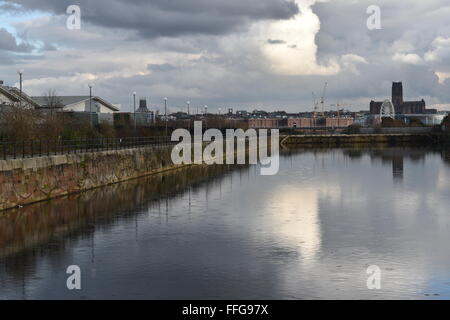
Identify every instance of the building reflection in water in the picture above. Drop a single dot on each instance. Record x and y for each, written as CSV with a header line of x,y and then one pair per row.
x,y
397,168
303,233
55,222
394,157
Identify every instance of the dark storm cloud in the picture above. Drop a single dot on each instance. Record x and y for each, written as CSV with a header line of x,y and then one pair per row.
x,y
343,26
9,43
10,7
171,18
5,59
190,51
408,27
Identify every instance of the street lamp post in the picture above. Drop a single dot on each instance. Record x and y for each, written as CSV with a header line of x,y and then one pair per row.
x,y
189,115
20,72
206,117
165,112
90,103
134,111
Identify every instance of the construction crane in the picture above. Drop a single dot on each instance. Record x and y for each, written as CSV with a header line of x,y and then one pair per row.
x,y
322,100
315,104
342,106
337,105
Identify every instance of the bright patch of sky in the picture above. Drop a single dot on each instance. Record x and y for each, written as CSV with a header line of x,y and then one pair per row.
x,y
9,18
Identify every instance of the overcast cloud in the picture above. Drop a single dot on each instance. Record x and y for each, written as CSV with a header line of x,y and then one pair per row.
x,y
246,54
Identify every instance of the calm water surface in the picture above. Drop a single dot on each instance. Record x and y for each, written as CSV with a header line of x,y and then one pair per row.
x,y
309,232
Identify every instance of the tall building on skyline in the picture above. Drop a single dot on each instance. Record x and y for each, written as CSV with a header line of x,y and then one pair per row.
x,y
142,106
401,106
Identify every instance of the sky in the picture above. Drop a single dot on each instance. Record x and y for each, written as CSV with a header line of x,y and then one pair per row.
x,y
241,54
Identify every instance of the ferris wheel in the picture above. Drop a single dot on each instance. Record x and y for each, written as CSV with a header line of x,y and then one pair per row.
x,y
387,110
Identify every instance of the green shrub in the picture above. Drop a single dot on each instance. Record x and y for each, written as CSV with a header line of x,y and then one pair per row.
x,y
353,129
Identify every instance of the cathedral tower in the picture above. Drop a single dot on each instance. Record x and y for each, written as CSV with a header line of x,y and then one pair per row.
x,y
397,94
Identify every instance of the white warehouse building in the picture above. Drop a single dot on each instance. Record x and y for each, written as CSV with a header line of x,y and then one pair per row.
x,y
77,104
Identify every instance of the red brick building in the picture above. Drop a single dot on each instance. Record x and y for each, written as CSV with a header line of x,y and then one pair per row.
x,y
300,122
338,122
266,123
320,122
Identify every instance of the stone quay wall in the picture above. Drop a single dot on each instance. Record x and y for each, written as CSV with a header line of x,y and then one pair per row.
x,y
25,181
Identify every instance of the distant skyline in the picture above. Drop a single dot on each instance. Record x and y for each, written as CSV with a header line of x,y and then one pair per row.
x,y
242,54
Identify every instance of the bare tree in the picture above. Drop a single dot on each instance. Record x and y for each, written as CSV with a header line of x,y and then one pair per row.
x,y
19,122
52,100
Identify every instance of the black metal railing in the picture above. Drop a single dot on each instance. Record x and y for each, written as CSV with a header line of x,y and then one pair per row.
x,y
38,148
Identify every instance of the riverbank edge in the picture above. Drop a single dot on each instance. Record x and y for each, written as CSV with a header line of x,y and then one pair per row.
x,y
33,180
27,181
362,139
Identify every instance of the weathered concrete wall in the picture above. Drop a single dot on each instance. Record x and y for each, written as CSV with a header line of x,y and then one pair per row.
x,y
25,181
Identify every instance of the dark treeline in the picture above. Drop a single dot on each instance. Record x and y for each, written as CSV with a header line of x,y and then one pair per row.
x,y
21,124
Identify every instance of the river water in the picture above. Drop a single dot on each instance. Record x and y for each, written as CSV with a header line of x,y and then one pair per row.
x,y
310,232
